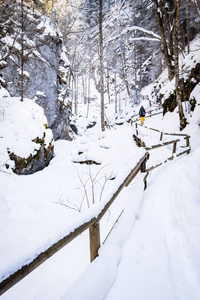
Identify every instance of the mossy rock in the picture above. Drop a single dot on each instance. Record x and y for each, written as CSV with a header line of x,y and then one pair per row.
x,y
33,163
169,104
186,87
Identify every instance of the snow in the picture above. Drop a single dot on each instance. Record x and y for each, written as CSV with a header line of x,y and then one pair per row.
x,y
21,123
39,93
64,57
154,244
152,252
133,28
186,62
48,26
25,73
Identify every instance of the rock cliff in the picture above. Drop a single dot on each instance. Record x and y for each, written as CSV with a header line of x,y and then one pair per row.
x,y
39,57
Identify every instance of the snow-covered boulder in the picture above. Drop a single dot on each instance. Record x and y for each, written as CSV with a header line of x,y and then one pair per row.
x,y
26,144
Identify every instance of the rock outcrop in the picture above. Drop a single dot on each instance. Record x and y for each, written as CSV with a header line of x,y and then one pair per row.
x,y
40,53
26,143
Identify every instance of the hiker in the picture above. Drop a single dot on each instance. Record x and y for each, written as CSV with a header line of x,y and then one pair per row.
x,y
142,113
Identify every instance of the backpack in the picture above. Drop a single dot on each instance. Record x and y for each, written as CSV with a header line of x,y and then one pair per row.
x,y
142,112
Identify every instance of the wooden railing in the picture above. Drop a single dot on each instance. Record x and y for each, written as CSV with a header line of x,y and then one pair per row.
x,y
92,225
149,113
162,144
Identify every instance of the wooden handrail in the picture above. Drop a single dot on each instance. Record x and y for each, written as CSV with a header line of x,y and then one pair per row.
x,y
148,112
167,160
174,142
186,136
162,144
27,269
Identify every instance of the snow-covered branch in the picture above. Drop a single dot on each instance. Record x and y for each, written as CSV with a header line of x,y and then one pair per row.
x,y
155,36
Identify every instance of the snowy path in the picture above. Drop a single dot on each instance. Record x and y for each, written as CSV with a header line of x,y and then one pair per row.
x,y
153,251
160,260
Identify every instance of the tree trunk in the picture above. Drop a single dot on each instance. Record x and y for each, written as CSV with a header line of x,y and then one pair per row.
x,y
22,50
101,64
176,56
75,94
108,85
169,30
115,93
84,89
123,63
135,64
88,94
188,28
168,58
119,101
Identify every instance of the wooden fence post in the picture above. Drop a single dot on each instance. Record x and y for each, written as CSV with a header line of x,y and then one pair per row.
x,y
143,169
187,141
174,148
143,166
161,136
136,128
145,180
94,240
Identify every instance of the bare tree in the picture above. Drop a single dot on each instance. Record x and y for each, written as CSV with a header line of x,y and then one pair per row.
x,y
93,187
162,15
101,64
176,58
22,50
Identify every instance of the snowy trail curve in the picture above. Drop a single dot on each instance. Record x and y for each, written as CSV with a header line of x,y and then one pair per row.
x,y
160,258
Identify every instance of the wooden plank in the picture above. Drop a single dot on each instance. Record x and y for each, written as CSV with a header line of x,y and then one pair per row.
x,y
176,134
144,126
186,151
165,133
162,145
154,114
158,165
94,240
170,158
131,177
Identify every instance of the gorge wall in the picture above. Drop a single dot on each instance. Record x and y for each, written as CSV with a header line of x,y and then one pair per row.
x,y
45,63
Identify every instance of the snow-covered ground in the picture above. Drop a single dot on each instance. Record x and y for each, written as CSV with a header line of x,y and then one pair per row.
x,y
153,252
